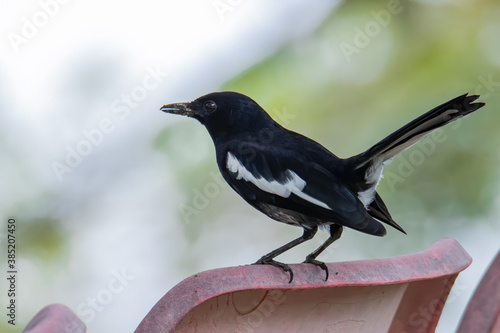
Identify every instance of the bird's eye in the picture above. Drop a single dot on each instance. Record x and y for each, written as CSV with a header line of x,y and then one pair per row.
x,y
210,106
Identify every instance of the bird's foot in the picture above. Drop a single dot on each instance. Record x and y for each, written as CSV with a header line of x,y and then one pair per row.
x,y
318,263
284,267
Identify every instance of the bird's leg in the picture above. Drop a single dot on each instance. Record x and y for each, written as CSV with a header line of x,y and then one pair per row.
x,y
268,258
335,232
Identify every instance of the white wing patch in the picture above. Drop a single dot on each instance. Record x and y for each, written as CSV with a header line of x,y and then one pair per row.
x,y
294,183
372,176
366,197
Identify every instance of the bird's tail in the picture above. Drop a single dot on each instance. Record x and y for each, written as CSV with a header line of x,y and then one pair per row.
x,y
415,130
368,166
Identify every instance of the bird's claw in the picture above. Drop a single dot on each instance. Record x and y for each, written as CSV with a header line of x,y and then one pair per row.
x,y
284,267
318,263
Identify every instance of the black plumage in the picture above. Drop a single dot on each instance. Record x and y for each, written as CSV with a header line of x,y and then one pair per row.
x,y
294,179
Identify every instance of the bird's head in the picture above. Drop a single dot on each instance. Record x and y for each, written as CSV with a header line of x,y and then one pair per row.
x,y
223,113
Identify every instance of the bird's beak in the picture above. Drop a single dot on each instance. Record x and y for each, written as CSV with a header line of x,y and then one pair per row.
x,y
178,108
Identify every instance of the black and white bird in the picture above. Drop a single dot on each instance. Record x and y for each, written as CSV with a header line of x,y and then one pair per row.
x,y
295,180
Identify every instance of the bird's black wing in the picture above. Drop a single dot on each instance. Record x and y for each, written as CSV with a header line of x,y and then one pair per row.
x,y
266,175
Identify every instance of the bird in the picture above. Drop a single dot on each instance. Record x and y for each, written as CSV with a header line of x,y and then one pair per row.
x,y
295,180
